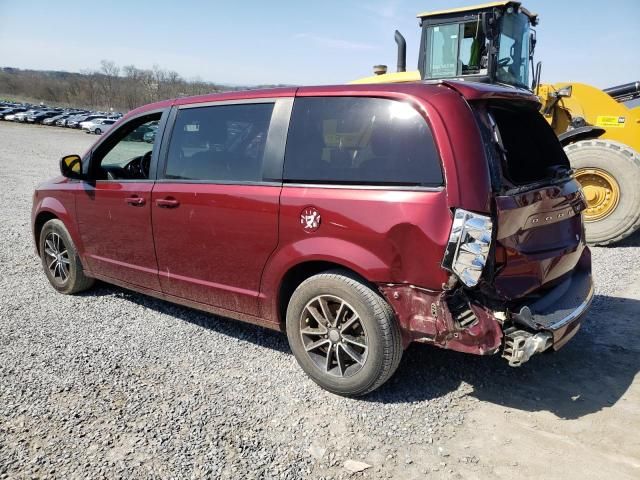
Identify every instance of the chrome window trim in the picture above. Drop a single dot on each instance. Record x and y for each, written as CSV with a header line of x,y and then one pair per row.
x,y
406,188
245,101
219,182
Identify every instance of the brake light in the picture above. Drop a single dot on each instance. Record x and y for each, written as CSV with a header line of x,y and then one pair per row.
x,y
468,247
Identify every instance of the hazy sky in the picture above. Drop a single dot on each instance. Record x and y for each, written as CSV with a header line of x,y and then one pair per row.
x,y
297,42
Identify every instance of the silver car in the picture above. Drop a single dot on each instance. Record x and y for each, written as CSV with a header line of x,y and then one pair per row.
x,y
99,126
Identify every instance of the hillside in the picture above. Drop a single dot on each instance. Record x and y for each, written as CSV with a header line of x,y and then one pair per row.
x,y
110,87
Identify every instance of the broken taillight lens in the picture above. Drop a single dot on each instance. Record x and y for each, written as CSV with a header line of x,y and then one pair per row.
x,y
468,247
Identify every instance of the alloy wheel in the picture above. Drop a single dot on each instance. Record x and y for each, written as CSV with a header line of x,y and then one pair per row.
x,y
57,257
334,336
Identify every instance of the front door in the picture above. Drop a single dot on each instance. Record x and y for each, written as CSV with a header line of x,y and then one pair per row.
x,y
114,208
215,212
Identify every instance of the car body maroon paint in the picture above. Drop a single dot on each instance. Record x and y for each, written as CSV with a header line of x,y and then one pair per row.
x,y
56,198
231,247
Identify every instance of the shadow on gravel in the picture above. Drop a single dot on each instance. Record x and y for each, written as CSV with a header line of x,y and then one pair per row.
x,y
631,241
590,373
226,326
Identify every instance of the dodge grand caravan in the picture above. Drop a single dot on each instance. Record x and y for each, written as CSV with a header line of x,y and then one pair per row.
x,y
356,218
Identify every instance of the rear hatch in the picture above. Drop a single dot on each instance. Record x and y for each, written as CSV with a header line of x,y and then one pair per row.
x,y
537,203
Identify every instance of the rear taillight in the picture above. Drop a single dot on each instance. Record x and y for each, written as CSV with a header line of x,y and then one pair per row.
x,y
468,247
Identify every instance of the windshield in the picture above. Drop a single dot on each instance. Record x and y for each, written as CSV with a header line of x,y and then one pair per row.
x,y
513,50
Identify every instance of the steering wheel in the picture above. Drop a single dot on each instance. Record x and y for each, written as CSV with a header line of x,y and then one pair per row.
x,y
145,164
503,62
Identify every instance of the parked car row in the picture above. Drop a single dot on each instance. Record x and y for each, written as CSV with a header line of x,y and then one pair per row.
x,y
87,120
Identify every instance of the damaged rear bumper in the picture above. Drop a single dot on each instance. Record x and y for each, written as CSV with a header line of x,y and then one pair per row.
x,y
550,321
466,323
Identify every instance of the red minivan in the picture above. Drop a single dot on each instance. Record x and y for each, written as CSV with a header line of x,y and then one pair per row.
x,y
357,218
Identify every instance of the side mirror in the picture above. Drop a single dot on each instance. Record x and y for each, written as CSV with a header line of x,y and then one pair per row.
x,y
532,42
488,22
564,91
71,166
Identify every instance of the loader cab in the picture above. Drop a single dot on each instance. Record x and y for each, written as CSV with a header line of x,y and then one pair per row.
x,y
490,43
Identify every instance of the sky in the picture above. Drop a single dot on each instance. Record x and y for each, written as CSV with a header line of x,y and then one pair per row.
x,y
249,42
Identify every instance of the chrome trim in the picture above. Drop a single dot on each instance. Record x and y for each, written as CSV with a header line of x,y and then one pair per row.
x,y
404,188
468,246
578,312
238,101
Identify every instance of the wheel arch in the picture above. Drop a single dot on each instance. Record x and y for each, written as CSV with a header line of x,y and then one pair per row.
x,y
299,273
282,276
48,208
41,218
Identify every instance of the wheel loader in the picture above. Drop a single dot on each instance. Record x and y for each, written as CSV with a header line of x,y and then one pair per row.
x,y
495,43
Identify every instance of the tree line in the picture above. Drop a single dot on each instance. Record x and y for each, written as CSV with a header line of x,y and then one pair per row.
x,y
110,86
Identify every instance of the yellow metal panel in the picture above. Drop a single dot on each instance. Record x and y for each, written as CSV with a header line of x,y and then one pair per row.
x,y
620,122
396,77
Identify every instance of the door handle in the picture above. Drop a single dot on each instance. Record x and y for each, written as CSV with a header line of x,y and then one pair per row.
x,y
167,202
135,201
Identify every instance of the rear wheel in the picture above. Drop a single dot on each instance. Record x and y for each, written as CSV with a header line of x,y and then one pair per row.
x,y
60,259
98,131
343,333
609,173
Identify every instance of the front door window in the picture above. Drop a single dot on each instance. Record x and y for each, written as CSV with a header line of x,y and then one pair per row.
x,y
126,155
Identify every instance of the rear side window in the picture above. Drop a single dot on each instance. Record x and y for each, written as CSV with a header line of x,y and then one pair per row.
x,y
356,140
219,143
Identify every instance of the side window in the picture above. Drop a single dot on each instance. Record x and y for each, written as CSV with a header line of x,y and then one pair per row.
x,y
219,143
443,53
353,140
125,155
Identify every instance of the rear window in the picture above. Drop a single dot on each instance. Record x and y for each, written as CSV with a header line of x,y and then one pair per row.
x,y
354,140
532,151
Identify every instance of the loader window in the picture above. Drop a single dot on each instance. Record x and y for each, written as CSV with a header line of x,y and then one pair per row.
x,y
442,42
513,50
456,49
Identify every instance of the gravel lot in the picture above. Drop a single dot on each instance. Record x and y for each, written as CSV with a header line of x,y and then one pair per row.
x,y
115,384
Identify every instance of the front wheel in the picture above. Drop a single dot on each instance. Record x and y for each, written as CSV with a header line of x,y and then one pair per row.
x,y
609,173
98,131
60,259
343,333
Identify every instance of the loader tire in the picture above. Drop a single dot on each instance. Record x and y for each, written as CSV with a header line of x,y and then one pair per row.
x,y
609,173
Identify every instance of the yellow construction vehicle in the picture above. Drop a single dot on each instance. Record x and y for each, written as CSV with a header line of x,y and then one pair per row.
x,y
495,43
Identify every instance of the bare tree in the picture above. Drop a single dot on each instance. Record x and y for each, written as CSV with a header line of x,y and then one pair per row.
x,y
108,87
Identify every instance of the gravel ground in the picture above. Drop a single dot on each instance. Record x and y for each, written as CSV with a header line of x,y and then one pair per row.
x,y
115,384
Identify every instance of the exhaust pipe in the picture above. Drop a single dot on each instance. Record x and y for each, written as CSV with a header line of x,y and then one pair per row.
x,y
402,52
624,93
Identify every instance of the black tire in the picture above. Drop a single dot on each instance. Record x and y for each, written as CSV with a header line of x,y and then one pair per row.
x,y
67,275
98,131
623,164
375,326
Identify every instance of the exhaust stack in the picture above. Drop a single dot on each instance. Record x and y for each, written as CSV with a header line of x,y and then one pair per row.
x,y
402,52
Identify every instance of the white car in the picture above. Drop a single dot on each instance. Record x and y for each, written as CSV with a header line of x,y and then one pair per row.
x,y
99,126
88,123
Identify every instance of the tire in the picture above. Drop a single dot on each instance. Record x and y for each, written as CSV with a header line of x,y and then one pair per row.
x,y
623,164
375,327
97,131
54,241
